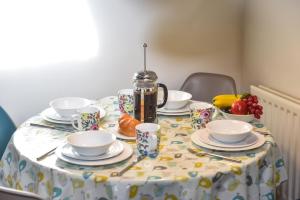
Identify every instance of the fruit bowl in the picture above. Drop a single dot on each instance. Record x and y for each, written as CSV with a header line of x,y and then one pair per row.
x,y
239,107
244,118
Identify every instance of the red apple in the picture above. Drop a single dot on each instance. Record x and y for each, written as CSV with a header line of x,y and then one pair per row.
x,y
239,107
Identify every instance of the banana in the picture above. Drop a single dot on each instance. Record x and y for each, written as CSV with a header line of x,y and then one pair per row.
x,y
225,100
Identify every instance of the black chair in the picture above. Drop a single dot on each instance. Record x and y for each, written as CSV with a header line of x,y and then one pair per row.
x,y
7,128
204,86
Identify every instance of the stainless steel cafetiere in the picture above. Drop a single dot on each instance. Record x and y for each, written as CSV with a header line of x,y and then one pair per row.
x,y
145,90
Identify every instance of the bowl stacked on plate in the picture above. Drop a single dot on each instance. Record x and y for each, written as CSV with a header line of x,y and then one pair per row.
x,y
67,106
229,131
93,148
177,103
228,135
62,109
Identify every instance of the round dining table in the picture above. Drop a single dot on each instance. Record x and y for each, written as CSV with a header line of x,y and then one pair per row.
x,y
175,174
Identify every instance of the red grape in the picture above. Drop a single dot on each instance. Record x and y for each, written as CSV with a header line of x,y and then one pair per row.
x,y
259,107
253,106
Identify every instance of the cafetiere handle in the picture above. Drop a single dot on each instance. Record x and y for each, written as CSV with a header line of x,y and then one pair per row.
x,y
164,87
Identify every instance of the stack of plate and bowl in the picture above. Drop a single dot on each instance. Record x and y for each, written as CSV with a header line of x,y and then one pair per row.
x,y
177,104
228,135
62,109
93,148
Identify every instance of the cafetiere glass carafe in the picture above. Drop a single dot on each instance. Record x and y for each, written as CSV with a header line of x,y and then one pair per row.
x,y
145,96
145,90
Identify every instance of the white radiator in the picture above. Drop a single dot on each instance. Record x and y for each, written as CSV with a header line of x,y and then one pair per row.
x,y
282,117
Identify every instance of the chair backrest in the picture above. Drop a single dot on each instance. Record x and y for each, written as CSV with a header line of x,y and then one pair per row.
x,y
7,128
204,86
12,194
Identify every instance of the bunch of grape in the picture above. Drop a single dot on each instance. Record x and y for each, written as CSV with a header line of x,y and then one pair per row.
x,y
253,106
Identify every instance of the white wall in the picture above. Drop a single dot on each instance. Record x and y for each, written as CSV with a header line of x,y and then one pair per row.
x,y
183,37
272,45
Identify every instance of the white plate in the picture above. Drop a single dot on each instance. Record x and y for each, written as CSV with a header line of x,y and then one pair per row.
x,y
210,140
114,150
127,152
173,114
180,110
120,136
50,115
198,141
55,121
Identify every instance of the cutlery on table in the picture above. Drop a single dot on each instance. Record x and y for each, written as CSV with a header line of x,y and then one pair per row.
x,y
45,155
53,127
215,155
140,158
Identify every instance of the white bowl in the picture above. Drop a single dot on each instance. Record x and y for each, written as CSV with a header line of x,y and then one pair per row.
x,y
244,118
177,99
91,143
229,131
67,106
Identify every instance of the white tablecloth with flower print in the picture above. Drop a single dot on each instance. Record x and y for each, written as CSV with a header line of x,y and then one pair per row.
x,y
175,174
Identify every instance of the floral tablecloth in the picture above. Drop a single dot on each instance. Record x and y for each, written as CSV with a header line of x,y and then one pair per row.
x,y
175,174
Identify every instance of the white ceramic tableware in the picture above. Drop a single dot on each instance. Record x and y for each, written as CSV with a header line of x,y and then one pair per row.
x,y
91,143
201,114
126,153
197,140
229,131
244,118
121,136
125,98
67,106
115,149
177,99
147,139
88,118
173,113
50,115
208,139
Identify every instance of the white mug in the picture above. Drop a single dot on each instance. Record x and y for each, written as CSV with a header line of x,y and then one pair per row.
x,y
147,139
201,113
125,98
88,118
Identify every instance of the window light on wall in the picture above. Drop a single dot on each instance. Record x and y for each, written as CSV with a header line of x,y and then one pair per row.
x,y
35,32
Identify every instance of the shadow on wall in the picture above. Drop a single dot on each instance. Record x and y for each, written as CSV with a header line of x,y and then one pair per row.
x,y
197,28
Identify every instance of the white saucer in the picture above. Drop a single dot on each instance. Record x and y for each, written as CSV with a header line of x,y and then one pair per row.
x,y
198,141
210,140
50,115
114,150
127,152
